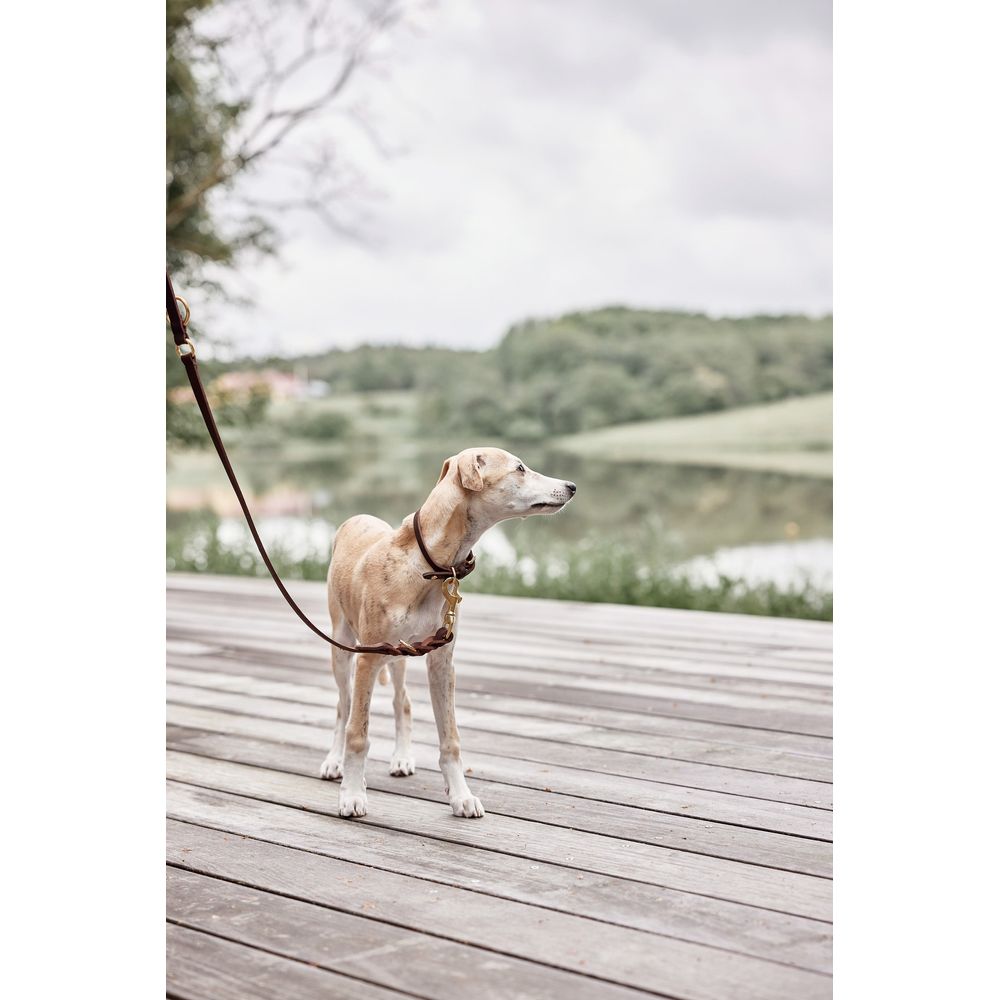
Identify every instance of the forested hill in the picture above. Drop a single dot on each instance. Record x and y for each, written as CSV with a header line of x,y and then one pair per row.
x,y
592,369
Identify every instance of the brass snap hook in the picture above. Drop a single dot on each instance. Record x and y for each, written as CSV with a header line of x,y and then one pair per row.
x,y
452,600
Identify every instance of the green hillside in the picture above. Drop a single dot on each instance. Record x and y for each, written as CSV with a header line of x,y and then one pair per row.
x,y
793,436
586,370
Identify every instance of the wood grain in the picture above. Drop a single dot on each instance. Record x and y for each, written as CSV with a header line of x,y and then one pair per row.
x,y
658,787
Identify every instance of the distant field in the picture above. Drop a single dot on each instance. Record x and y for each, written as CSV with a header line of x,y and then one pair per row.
x,y
793,436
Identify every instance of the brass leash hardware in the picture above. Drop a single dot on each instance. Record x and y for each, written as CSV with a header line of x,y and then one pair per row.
x,y
186,347
452,600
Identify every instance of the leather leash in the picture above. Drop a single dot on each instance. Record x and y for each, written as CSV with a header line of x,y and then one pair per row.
x,y
449,575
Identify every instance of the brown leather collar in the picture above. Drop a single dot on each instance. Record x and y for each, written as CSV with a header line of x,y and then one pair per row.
x,y
441,572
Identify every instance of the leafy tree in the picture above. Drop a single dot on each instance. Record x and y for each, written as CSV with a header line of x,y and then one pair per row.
x,y
200,123
244,81
615,365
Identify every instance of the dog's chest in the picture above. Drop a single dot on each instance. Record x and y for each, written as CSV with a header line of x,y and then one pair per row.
x,y
421,619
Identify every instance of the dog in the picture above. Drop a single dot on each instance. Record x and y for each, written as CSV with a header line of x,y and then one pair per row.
x,y
377,592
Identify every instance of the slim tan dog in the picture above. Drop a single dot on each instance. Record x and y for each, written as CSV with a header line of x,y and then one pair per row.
x,y
377,592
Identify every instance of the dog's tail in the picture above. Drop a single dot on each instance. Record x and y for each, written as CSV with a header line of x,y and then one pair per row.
x,y
383,676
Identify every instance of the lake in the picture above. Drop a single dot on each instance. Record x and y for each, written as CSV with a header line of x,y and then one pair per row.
x,y
745,524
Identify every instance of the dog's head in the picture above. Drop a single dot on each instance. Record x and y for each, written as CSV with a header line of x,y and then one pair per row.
x,y
499,485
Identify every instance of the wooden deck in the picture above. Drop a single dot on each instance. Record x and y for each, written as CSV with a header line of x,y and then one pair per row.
x,y
658,809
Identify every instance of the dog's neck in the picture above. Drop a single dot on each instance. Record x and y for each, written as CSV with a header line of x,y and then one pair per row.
x,y
447,526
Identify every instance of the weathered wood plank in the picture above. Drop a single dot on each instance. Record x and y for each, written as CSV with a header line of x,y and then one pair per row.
x,y
784,631
205,967
736,810
487,718
787,892
255,665
740,674
649,656
592,666
653,652
712,881
785,938
710,777
374,952
806,718
796,854
797,722
631,958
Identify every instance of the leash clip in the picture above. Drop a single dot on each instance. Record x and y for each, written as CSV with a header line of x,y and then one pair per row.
x,y
452,600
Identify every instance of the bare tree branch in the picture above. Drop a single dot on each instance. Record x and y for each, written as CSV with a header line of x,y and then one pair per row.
x,y
269,123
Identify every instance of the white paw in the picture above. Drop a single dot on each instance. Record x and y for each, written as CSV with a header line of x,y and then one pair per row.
x,y
469,807
353,804
402,765
332,768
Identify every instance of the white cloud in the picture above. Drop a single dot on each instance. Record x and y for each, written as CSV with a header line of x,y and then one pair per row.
x,y
566,155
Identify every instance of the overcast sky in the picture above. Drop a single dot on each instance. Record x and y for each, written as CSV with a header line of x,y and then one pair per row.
x,y
553,155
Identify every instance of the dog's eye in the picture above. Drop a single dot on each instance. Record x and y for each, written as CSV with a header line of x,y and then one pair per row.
x,y
520,467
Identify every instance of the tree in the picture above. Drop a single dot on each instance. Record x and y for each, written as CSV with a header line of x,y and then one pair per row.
x,y
244,82
199,122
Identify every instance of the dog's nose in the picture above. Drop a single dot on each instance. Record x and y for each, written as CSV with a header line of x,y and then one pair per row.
x,y
571,487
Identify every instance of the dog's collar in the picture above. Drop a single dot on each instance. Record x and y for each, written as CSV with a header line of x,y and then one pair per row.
x,y
441,572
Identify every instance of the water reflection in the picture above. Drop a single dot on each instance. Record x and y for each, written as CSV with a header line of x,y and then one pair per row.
x,y
760,525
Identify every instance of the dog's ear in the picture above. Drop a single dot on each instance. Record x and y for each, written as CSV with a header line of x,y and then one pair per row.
x,y
445,469
470,468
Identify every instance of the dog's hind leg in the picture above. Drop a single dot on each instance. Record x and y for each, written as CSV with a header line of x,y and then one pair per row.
x,y
333,766
402,762
353,799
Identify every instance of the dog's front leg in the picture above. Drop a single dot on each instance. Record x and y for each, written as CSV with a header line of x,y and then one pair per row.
x,y
441,677
353,800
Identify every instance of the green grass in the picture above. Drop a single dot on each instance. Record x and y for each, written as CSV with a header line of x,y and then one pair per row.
x,y
794,436
609,574
604,574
